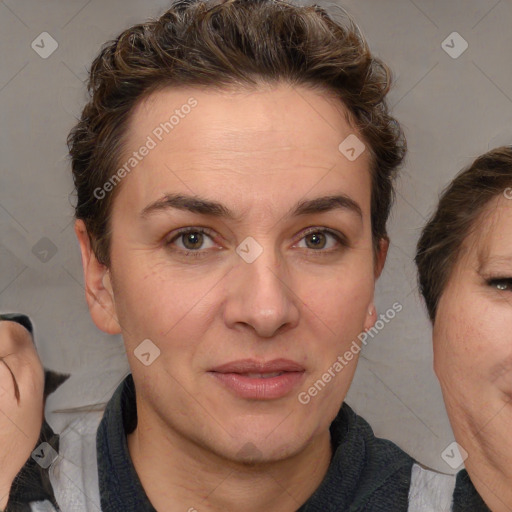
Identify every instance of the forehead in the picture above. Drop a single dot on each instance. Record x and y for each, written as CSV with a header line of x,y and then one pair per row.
x,y
279,136
238,114
490,238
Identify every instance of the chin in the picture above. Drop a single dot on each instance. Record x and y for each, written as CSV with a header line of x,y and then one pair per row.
x,y
251,455
260,449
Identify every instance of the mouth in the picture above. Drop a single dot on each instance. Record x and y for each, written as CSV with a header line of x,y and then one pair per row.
x,y
262,375
251,366
255,380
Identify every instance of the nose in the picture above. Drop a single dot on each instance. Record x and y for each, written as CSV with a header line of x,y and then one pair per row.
x,y
260,296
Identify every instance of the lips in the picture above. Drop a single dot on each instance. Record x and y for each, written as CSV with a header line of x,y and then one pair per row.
x,y
262,375
255,380
250,366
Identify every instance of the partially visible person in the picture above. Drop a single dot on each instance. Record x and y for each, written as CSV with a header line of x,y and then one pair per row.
x,y
464,259
21,398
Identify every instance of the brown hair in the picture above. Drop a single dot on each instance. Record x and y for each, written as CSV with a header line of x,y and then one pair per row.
x,y
460,207
230,43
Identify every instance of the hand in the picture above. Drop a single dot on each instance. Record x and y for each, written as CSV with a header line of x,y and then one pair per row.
x,y
21,402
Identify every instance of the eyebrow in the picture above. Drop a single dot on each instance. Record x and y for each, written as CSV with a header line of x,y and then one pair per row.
x,y
204,206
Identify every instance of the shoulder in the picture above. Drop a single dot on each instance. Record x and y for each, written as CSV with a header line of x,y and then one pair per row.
x,y
76,410
377,471
380,453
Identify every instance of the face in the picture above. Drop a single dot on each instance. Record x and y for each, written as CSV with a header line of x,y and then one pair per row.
x,y
252,285
473,341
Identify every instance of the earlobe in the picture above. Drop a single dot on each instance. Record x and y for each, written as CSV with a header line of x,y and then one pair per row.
x,y
98,287
371,317
380,260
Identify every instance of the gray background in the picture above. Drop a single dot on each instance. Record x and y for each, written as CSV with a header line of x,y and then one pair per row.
x,y
452,109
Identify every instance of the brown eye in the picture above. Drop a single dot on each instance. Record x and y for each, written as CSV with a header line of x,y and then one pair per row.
x,y
192,240
323,240
502,284
317,240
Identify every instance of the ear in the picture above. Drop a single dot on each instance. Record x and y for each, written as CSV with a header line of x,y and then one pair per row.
x,y
380,260
98,287
380,257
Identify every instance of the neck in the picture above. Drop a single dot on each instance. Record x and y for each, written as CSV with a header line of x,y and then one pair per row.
x,y
491,483
175,470
488,463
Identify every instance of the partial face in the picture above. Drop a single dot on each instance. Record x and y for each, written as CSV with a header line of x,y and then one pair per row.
x,y
272,279
473,341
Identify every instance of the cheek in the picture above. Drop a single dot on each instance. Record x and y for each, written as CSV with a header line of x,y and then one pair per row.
x,y
473,345
339,300
454,342
496,349
153,299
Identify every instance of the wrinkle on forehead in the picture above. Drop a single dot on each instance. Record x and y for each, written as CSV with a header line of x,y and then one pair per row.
x,y
489,234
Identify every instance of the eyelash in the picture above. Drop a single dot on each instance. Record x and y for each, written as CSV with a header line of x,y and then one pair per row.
x,y
494,281
200,254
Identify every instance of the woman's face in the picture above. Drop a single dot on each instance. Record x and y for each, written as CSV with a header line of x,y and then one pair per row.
x,y
473,345
263,284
